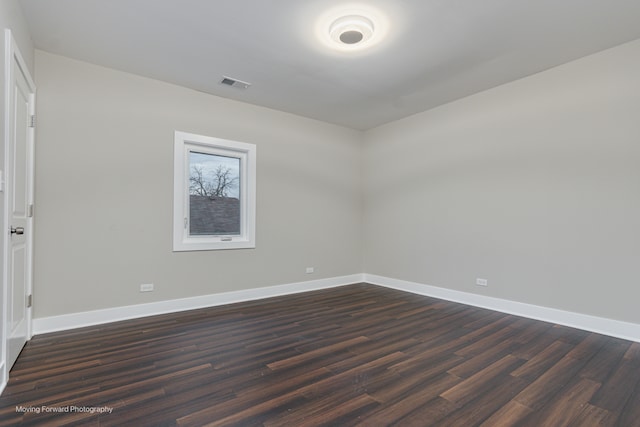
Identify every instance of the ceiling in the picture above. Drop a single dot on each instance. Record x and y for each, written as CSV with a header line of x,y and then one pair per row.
x,y
435,51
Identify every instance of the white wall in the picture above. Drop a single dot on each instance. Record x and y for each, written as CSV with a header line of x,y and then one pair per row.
x,y
534,185
104,192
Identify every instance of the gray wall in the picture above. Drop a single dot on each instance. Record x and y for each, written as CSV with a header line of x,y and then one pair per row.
x,y
11,17
534,185
104,188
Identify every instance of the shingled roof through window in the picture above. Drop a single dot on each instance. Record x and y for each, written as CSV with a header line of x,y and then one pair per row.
x,y
214,215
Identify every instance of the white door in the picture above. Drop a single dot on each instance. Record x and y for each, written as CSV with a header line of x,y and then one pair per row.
x,y
19,198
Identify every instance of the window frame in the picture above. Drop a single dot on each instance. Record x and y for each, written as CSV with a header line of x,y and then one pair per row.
x,y
184,144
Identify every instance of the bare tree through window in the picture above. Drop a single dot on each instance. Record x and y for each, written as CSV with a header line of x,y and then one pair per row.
x,y
217,183
214,183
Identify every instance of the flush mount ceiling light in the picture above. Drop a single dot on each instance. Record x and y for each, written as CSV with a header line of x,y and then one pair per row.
x,y
351,30
351,27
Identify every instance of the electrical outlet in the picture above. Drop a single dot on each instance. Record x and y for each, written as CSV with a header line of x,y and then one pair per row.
x,y
310,270
146,287
481,282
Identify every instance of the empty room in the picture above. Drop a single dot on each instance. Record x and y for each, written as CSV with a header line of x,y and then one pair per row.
x,y
322,212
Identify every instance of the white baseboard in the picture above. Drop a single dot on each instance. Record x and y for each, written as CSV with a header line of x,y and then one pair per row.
x,y
3,377
88,318
614,328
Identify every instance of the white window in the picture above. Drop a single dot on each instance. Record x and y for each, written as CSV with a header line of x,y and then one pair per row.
x,y
214,196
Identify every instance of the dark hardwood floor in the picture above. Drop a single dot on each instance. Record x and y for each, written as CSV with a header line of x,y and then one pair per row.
x,y
355,355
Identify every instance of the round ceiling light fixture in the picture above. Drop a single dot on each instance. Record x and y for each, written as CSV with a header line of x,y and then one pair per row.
x,y
351,27
351,30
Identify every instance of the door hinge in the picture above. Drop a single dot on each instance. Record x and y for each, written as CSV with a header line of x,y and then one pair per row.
x,y
186,223
32,121
29,300
30,211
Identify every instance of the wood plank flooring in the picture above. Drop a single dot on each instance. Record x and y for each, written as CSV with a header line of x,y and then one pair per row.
x,y
359,355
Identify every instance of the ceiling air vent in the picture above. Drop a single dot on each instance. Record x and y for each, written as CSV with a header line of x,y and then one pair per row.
x,y
238,84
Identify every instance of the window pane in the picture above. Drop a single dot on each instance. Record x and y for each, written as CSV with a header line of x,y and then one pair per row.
x,y
214,194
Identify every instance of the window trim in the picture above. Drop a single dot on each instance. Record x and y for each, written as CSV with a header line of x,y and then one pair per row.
x,y
184,143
